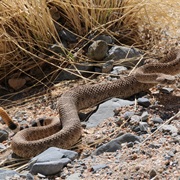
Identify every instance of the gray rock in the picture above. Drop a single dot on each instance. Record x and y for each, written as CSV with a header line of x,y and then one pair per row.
x,y
115,144
51,161
49,168
99,166
106,38
2,146
169,128
118,69
128,114
166,90
105,110
57,48
97,50
7,174
144,116
157,119
111,146
3,135
143,126
107,67
144,102
67,36
121,52
75,176
135,119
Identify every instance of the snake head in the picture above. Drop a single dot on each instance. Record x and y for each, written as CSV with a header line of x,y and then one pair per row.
x,y
166,79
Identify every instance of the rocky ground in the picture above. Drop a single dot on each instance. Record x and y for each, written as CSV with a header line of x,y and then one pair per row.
x,y
134,139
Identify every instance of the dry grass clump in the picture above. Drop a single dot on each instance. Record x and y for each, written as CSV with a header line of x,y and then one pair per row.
x,y
29,27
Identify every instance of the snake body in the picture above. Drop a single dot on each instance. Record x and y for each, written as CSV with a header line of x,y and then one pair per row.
x,y
65,131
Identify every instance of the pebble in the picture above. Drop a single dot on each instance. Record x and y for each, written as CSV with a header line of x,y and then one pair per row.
x,y
67,36
135,119
107,67
98,167
57,48
128,114
157,119
144,102
169,128
3,135
144,116
143,126
166,90
152,173
106,38
118,69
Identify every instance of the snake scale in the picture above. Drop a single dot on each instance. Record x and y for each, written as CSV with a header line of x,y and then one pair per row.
x,y
65,131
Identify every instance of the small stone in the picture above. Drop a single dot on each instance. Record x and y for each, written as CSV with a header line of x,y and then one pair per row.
x,y
135,119
169,128
97,50
67,36
157,119
144,102
118,69
106,38
152,173
57,48
128,114
143,126
98,167
107,67
3,135
166,90
144,116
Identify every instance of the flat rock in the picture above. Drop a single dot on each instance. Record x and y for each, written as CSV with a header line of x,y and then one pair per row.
x,y
115,144
105,110
51,161
8,174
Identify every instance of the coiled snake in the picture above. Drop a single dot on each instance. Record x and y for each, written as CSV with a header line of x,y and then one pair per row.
x,y
65,131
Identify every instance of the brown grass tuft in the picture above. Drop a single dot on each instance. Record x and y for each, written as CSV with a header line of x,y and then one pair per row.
x,y
29,27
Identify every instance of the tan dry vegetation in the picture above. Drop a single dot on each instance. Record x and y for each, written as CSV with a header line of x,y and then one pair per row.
x,y
27,28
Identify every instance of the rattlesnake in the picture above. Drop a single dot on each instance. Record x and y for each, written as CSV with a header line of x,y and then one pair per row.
x,y
32,141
